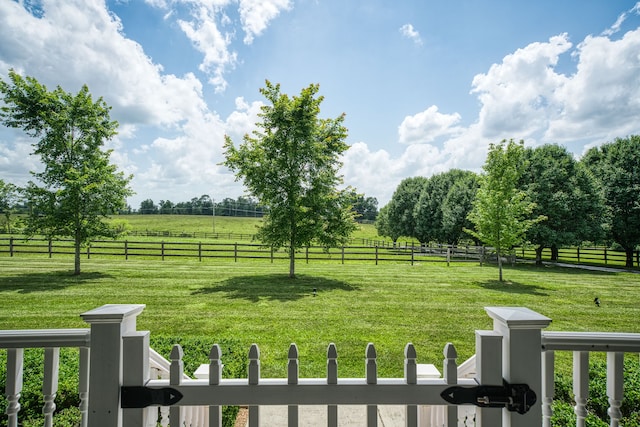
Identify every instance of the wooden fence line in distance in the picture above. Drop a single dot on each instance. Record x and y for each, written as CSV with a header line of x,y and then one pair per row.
x,y
198,250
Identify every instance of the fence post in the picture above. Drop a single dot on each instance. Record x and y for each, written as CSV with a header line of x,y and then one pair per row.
x,y
605,256
376,254
109,324
488,372
50,248
11,246
126,249
135,372
521,355
235,252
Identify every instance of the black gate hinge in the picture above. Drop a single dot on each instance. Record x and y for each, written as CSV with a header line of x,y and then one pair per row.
x,y
515,397
141,397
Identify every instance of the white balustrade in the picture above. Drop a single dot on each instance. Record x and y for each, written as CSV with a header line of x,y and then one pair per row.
x,y
114,354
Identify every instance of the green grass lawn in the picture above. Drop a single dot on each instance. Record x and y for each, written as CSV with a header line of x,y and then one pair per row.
x,y
357,303
219,224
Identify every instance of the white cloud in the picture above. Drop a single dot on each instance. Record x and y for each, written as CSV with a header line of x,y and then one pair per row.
x,y
518,95
203,31
256,15
427,126
623,17
411,33
602,99
79,41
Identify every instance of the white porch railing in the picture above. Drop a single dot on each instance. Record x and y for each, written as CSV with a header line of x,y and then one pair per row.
x,y
516,350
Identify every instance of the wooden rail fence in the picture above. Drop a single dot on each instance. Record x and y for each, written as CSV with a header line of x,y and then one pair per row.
x,y
205,250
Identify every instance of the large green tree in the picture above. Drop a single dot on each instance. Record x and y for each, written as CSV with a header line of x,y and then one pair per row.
x,y
79,187
617,167
566,193
501,212
290,165
400,214
430,210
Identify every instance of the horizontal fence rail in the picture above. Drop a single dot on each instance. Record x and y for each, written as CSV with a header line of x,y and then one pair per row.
x,y
237,251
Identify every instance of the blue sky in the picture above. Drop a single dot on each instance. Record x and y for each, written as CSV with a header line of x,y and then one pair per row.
x,y
425,85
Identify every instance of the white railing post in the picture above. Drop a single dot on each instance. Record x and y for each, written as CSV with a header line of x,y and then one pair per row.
x,y
488,372
371,372
215,376
615,380
50,383
332,378
292,378
522,356
450,371
581,385
135,372
548,386
108,324
411,377
13,387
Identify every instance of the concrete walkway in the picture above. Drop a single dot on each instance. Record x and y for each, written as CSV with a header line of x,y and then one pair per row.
x,y
316,416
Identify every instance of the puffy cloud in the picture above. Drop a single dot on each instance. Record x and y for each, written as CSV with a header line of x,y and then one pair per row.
x,y
427,126
411,33
602,99
203,31
256,15
79,41
518,95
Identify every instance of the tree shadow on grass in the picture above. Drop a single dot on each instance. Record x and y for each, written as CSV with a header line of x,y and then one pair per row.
x,y
46,281
274,287
512,287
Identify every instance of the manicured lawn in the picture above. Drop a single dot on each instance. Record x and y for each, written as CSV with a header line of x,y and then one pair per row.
x,y
356,303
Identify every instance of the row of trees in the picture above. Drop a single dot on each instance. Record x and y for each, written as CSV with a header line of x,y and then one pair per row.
x,y
205,205
551,199
290,165
366,208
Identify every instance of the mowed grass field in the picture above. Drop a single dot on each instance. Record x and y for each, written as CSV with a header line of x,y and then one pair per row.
x,y
357,303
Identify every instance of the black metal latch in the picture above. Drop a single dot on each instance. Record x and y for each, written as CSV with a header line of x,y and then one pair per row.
x,y
515,397
141,397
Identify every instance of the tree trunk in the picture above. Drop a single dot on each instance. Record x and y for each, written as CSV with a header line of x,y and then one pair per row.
x,y
629,253
76,270
539,250
499,264
554,253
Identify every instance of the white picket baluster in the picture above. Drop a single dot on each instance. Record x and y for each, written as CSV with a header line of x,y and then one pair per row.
x,y
215,375
372,378
615,366
13,387
292,378
50,383
581,385
332,378
176,372
411,377
254,379
548,386
83,385
450,369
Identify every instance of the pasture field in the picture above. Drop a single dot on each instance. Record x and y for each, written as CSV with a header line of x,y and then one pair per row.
x,y
242,303
219,224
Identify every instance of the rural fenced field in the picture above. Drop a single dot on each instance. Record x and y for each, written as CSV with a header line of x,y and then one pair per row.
x,y
235,304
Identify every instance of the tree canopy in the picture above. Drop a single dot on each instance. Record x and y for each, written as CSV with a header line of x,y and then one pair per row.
x,y
79,187
400,214
617,167
501,212
443,206
566,193
290,165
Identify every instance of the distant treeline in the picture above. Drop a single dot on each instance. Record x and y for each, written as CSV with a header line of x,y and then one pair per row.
x,y
204,205
365,207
